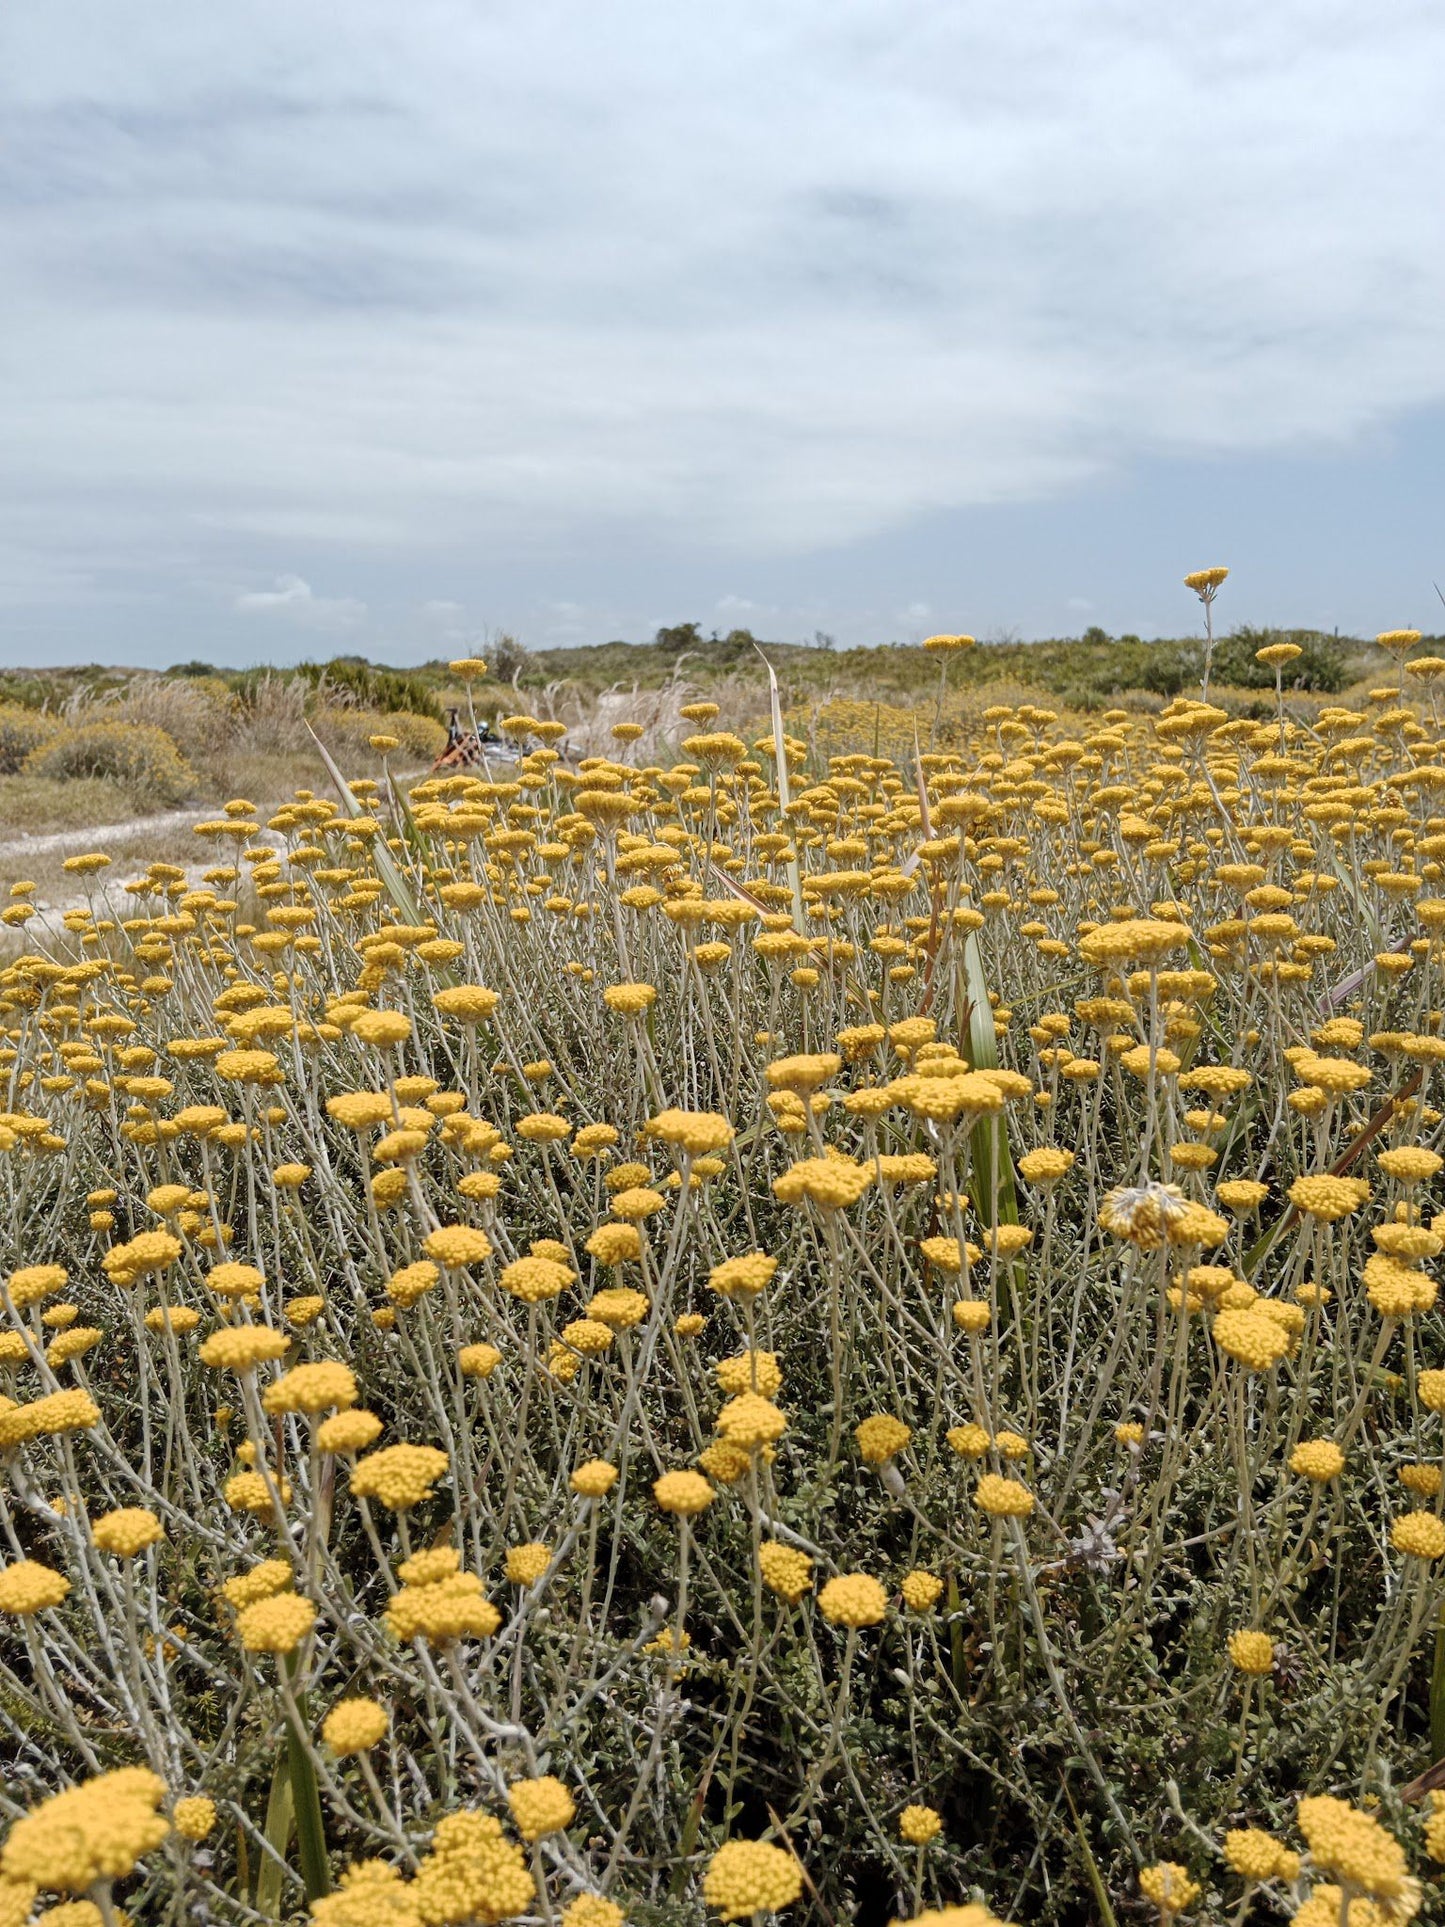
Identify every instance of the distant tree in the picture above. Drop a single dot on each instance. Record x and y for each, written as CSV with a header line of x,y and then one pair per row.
x,y
506,657
680,636
191,669
1095,635
822,640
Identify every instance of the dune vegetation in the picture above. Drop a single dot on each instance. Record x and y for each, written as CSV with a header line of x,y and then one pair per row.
x,y
838,1323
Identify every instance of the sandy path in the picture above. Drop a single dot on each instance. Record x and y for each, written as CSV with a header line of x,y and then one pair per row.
x,y
99,834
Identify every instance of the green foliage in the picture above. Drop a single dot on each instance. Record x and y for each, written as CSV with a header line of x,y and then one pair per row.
x,y
21,732
1321,667
364,685
348,732
138,757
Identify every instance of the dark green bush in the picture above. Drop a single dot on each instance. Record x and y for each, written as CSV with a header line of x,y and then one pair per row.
x,y
352,681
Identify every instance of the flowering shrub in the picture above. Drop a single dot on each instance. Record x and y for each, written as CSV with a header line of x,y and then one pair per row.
x,y
141,758
743,1337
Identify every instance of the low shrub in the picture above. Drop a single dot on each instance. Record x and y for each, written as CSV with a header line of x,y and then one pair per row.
x,y
352,682
198,713
139,757
349,732
22,730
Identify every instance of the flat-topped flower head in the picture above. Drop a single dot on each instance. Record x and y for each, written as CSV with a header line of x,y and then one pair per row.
x,y
355,1726
683,1493
881,1437
127,1531
853,1599
241,1348
28,1586
748,1877
541,1806
399,1476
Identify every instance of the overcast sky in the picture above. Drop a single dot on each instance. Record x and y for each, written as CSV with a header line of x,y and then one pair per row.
x,y
379,327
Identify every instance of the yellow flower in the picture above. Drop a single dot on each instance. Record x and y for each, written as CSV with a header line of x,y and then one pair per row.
x,y
630,1000
747,1877
312,1388
249,1492
527,1563
1169,1886
382,1029
593,1479
28,1587
478,1361
698,1133
350,1431
747,1275
442,1611
535,1279
785,1571
93,1832
1256,1340
399,1476
1259,1856
615,1244
149,1252
881,1438
1419,1534
749,1421
921,1591
276,1625
1328,1198
457,1246
241,1348
1003,1498
410,1283
636,1203
1356,1849
589,1336
831,1183
853,1599
127,1531
917,1825
194,1816
1144,940
49,1417
472,1866
1318,1460
1045,1166
541,1806
354,1726
683,1493
34,1283
234,1280
591,1910
1251,1652
270,1576
750,1372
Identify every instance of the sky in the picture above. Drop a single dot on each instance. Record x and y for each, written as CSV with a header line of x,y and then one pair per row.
x,y
381,329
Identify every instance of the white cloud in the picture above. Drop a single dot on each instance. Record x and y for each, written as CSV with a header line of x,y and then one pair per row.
x,y
294,600
504,285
